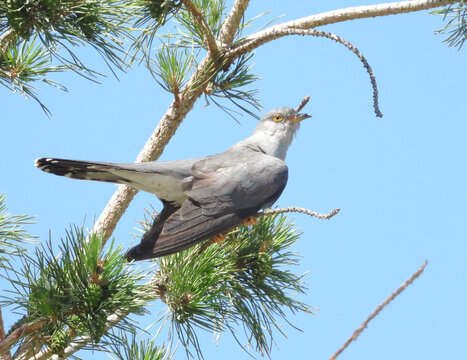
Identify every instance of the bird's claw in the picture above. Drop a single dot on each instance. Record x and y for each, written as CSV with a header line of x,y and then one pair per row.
x,y
219,238
250,221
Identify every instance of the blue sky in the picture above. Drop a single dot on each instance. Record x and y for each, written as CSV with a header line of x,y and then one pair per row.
x,y
399,181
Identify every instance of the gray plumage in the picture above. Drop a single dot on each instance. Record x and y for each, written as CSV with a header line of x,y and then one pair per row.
x,y
205,196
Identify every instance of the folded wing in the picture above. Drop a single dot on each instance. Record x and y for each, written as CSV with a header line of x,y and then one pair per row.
x,y
223,190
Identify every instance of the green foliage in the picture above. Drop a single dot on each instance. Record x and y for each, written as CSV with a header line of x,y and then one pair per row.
x,y
76,291
99,23
13,236
25,63
190,32
142,350
172,67
228,85
155,13
245,282
457,23
152,14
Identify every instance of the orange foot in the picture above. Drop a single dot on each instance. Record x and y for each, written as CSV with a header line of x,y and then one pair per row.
x,y
250,221
219,238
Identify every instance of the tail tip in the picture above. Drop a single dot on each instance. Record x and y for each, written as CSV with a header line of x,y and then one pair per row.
x,y
42,163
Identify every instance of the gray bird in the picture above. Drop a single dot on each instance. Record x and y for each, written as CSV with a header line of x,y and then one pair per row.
x,y
202,197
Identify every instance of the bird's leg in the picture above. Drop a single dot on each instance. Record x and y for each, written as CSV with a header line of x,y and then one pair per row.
x,y
219,238
251,220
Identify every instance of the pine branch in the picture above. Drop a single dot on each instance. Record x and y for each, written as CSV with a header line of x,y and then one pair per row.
x,y
5,40
19,332
175,114
78,343
177,111
201,21
348,45
378,310
232,22
253,41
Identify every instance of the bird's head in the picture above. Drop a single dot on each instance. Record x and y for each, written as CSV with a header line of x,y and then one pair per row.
x,y
281,120
278,127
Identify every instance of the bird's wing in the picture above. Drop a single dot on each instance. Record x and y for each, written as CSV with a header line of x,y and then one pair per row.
x,y
235,180
162,178
224,190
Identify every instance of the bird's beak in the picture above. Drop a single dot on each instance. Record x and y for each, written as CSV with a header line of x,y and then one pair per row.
x,y
300,117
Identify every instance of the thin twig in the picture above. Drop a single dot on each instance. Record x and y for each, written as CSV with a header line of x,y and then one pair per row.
x,y
357,52
378,309
299,210
318,33
303,103
365,63
201,21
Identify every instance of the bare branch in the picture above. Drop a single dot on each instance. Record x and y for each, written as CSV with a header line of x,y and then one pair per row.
x,y
5,40
20,332
299,210
348,45
352,48
331,17
201,21
79,343
378,309
232,21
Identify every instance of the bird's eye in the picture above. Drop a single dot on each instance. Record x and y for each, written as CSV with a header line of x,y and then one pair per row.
x,y
277,118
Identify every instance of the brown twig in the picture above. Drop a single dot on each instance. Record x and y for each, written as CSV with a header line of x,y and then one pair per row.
x,y
318,33
253,41
303,103
299,210
378,309
365,63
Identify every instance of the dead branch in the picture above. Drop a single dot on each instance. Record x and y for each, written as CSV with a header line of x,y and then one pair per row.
x,y
299,210
378,309
253,41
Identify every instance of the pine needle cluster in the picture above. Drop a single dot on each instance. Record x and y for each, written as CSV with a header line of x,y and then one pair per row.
x,y
246,282
456,26
72,294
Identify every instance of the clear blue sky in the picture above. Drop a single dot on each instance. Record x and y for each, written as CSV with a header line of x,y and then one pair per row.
x,y
400,181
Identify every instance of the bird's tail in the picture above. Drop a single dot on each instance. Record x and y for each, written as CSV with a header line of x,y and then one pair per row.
x,y
86,170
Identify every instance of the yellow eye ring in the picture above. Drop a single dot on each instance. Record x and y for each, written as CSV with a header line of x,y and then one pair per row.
x,y
277,118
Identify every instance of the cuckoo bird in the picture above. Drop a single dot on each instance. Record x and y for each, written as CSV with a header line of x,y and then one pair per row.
x,y
201,197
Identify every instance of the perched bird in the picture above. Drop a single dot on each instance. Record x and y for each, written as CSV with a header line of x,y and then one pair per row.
x,y
202,197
